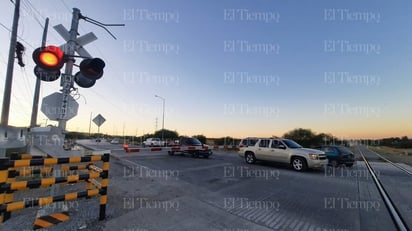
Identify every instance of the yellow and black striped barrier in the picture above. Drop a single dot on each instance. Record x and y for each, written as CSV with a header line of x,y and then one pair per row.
x,y
12,168
50,220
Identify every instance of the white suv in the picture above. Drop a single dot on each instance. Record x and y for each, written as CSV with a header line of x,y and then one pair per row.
x,y
283,151
153,142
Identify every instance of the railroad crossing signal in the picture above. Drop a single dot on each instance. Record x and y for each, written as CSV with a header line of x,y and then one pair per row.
x,y
49,63
79,42
91,69
49,60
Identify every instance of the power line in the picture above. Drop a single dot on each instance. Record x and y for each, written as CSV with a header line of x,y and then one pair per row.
x,y
20,38
65,5
28,6
5,27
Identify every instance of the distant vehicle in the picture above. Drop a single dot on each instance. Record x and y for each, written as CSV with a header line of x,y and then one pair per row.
x,y
98,140
282,151
173,142
338,155
115,141
186,142
151,142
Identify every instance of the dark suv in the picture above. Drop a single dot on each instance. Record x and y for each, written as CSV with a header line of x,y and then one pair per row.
x,y
192,146
338,155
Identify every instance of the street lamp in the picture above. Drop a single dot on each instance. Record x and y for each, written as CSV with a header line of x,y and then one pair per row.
x,y
163,119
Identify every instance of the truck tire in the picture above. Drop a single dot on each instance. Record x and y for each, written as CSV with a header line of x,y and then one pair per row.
x,y
299,164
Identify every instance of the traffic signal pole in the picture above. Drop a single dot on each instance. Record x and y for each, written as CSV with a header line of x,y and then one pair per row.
x,y
10,66
35,108
67,78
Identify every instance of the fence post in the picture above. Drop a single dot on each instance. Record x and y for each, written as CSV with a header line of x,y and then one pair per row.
x,y
4,195
105,182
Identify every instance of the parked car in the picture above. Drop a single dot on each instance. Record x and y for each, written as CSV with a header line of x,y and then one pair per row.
x,y
151,142
283,151
186,142
338,155
115,141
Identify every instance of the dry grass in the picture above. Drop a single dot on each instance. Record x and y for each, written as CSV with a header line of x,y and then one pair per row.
x,y
395,154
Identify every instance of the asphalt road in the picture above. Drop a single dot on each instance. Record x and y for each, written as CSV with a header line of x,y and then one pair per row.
x,y
155,191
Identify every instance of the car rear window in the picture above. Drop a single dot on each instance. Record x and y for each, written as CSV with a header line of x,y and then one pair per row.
x,y
249,142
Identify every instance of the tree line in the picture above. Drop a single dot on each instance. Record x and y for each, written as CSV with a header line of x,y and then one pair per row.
x,y
305,137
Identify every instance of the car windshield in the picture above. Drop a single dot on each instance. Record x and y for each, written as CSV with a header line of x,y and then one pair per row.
x,y
291,144
344,150
193,141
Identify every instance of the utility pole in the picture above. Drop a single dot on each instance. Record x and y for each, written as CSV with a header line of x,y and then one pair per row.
x,y
67,78
163,117
90,123
156,124
10,66
35,108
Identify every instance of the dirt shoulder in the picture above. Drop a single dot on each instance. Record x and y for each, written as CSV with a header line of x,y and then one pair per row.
x,y
395,154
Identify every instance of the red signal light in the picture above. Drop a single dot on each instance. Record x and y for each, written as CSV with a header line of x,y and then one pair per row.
x,y
49,58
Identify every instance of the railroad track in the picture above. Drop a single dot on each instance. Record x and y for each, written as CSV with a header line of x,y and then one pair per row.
x,y
390,205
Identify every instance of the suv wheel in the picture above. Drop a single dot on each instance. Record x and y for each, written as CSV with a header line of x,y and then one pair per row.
x,y
171,153
250,158
299,164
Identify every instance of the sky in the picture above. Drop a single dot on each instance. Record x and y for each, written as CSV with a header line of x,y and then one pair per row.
x,y
234,68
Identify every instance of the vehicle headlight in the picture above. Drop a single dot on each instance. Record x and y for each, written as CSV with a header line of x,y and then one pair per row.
x,y
313,156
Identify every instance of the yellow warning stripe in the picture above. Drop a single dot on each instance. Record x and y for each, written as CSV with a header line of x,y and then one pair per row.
x,y
42,223
70,196
21,163
60,216
50,220
15,206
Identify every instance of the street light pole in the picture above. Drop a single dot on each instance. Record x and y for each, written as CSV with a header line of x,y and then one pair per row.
x,y
163,119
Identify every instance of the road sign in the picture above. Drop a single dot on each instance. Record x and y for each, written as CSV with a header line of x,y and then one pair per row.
x,y
80,41
52,107
99,120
